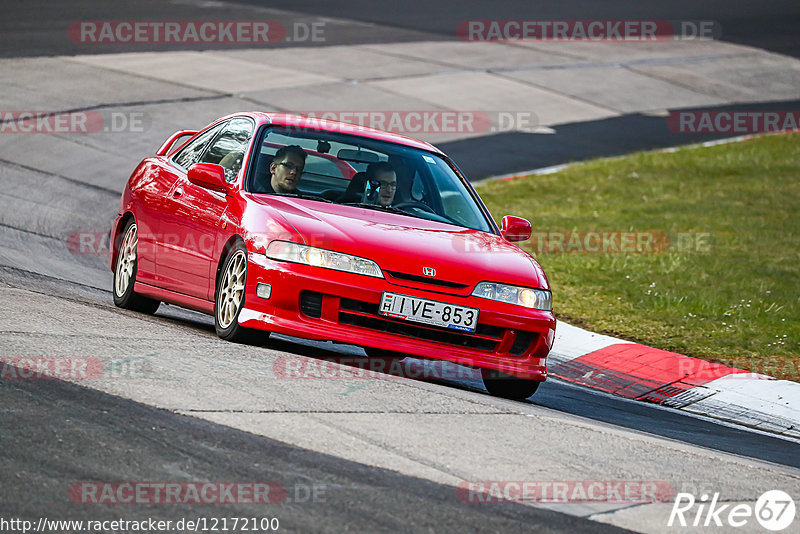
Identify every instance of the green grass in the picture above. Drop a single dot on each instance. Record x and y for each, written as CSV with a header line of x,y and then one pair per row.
x,y
726,289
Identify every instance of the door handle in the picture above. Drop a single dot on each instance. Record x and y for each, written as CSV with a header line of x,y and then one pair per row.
x,y
178,191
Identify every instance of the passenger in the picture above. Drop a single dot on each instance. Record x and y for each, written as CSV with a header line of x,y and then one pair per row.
x,y
286,169
232,162
381,184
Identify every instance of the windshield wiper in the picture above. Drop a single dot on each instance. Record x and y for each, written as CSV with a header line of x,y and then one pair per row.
x,y
304,196
378,207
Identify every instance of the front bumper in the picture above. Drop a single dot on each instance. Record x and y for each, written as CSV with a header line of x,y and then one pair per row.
x,y
322,304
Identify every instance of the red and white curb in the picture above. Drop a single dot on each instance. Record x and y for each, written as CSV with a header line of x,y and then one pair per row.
x,y
653,375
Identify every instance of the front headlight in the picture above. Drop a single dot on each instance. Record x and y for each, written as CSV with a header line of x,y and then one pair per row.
x,y
538,299
320,257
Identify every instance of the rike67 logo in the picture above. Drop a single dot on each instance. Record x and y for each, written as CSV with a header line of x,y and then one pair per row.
x,y
774,510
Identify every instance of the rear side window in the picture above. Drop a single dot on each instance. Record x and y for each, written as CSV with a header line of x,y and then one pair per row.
x,y
229,147
190,154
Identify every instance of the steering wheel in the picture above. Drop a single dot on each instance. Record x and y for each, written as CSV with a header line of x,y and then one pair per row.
x,y
414,204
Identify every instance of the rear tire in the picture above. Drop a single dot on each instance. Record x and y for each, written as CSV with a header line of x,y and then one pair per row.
x,y
229,300
125,273
508,387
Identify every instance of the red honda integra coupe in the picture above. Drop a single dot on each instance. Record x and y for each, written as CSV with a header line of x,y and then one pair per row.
x,y
331,231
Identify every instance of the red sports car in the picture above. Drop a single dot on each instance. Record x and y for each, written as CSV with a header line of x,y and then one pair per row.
x,y
331,231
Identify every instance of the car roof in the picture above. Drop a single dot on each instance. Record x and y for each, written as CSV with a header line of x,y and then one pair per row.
x,y
300,121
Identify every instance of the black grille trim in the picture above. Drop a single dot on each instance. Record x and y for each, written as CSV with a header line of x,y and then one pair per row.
x,y
426,280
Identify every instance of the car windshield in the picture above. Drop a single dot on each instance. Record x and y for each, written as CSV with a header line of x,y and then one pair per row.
x,y
354,170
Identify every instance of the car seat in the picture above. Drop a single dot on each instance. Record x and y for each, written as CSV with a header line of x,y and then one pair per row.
x,y
355,189
262,175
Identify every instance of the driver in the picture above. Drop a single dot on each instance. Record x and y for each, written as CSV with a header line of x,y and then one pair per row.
x,y
286,169
381,184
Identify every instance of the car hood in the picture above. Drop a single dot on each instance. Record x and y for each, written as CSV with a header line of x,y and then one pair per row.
x,y
403,244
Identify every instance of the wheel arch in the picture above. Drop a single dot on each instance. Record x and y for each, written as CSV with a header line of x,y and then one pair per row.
x,y
232,241
115,240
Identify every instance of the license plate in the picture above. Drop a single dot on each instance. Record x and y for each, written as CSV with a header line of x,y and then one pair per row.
x,y
429,312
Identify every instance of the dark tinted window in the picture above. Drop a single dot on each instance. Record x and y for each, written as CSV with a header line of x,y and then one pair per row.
x,y
191,153
229,147
337,169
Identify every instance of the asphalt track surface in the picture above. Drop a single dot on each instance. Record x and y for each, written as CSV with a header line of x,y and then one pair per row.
x,y
79,432
771,26
38,28
55,433
29,29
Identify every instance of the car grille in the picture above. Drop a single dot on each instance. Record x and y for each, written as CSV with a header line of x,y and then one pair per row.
x,y
426,280
363,314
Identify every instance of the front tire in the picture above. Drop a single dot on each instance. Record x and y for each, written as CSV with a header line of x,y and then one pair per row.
x,y
125,273
383,354
229,299
508,387
389,360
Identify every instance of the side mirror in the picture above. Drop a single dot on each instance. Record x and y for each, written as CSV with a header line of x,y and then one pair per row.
x,y
515,229
171,141
208,175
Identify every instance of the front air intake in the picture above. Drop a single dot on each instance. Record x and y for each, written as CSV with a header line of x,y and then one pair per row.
x,y
311,304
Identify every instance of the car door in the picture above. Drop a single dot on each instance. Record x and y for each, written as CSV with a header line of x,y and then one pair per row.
x,y
169,240
193,216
